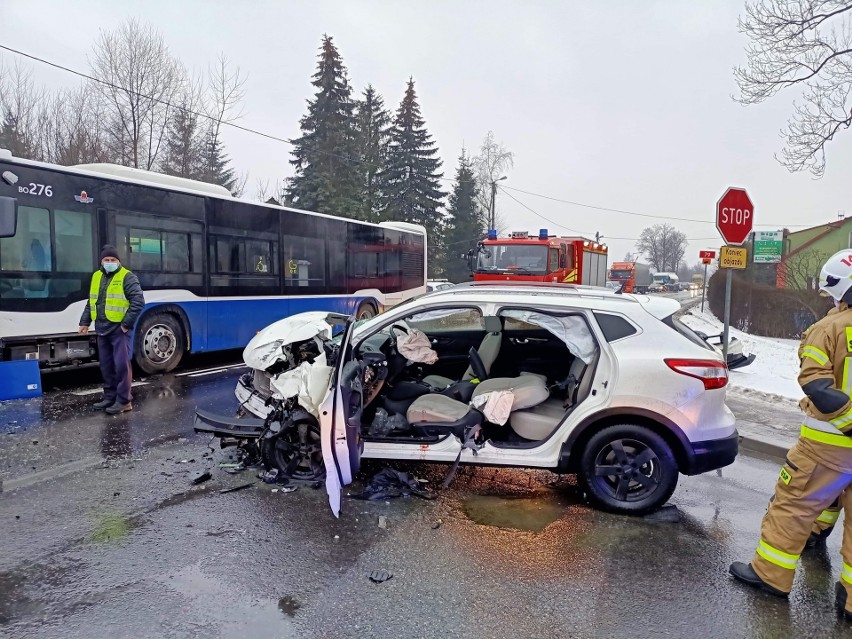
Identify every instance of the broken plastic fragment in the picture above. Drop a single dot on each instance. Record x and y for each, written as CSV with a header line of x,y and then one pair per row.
x,y
379,576
203,477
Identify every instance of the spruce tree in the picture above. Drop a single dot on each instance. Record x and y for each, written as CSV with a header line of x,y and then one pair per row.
x,y
465,221
413,172
217,166
372,123
184,153
12,138
325,155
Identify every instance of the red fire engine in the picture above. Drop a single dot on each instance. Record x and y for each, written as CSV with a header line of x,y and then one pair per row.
x,y
545,258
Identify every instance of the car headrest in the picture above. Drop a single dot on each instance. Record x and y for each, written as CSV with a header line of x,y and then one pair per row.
x,y
492,324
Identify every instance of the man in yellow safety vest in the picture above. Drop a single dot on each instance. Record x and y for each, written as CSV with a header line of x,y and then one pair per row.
x,y
818,468
115,301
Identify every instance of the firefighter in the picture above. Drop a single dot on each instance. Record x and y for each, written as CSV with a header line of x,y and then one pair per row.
x,y
818,467
824,524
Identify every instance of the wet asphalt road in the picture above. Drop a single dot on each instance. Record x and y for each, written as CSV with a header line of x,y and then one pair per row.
x,y
103,536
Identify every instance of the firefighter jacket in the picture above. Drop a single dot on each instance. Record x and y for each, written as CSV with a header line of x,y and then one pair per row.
x,y
825,354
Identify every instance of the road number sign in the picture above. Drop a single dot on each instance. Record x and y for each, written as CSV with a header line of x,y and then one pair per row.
x,y
706,255
733,257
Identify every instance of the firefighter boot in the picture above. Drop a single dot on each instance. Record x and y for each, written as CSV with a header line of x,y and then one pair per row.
x,y
840,601
745,573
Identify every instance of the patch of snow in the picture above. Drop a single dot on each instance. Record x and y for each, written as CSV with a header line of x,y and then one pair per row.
x,y
772,373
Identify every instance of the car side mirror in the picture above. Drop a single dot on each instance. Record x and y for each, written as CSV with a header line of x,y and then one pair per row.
x,y
8,216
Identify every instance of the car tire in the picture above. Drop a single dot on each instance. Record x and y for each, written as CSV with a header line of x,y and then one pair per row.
x,y
366,310
160,343
296,452
628,469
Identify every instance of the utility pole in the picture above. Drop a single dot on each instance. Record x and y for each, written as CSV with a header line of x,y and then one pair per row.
x,y
492,214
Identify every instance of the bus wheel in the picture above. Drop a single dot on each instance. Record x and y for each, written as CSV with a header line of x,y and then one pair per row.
x,y
366,310
160,343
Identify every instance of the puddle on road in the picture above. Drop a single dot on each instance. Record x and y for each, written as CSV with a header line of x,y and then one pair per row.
x,y
288,605
523,513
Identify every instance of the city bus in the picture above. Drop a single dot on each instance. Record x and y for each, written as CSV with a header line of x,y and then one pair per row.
x,y
215,269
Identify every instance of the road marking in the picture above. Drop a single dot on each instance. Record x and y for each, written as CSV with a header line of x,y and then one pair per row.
x,y
92,391
208,371
213,372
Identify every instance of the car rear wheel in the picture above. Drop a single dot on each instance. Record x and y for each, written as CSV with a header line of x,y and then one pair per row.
x,y
296,452
628,469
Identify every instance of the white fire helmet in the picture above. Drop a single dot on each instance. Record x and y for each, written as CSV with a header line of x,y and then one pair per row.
x,y
835,278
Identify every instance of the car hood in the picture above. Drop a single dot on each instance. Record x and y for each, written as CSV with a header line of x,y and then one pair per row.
x,y
265,348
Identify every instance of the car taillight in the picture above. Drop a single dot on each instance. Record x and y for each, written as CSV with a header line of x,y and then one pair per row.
x,y
713,373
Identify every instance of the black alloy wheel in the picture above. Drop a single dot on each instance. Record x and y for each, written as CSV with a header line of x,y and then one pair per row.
x,y
296,452
628,469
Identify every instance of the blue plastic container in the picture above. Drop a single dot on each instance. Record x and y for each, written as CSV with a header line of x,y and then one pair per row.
x,y
20,379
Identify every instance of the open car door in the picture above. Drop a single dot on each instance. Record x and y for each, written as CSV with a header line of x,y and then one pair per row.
x,y
340,425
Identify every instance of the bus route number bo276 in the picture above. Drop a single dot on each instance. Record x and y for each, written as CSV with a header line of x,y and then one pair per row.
x,y
36,189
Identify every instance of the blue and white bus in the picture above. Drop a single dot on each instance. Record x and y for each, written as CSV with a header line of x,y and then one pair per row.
x,y
214,269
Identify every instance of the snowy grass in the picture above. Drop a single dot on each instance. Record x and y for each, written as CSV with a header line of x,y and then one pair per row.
x,y
772,373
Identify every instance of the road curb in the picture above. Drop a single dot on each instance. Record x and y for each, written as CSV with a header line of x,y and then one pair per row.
x,y
763,446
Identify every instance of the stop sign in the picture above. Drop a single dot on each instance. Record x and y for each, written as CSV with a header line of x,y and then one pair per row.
x,y
734,215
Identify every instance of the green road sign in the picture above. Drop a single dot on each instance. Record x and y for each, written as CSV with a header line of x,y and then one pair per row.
x,y
768,246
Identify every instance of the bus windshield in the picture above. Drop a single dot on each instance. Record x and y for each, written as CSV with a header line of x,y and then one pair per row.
x,y
520,258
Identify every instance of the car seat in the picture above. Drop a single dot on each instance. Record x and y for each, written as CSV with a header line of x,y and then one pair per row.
x,y
436,414
488,350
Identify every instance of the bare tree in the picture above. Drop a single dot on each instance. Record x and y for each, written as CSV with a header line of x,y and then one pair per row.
x,y
804,43
490,165
801,270
664,245
138,80
20,101
226,91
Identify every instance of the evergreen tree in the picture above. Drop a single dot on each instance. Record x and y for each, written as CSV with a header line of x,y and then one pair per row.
x,y
216,164
466,223
372,123
12,138
184,154
325,155
413,174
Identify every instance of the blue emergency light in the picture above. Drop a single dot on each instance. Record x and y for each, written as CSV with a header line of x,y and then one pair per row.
x,y
492,234
542,234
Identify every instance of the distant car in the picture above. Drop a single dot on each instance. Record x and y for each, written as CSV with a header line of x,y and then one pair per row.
x,y
611,387
438,285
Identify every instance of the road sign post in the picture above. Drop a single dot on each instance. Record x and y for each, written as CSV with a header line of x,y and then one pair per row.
x,y
706,259
734,220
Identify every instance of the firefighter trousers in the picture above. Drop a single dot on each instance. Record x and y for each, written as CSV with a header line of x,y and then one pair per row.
x,y
804,490
827,519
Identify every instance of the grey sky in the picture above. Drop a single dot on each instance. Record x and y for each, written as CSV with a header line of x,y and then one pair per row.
x,y
620,104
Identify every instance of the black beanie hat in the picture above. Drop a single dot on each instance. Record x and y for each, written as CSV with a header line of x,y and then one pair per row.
x,y
109,251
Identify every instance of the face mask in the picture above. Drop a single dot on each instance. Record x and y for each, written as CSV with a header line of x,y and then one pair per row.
x,y
110,267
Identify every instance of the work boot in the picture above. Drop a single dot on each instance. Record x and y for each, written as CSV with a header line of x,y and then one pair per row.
x,y
746,574
840,601
118,407
104,403
818,539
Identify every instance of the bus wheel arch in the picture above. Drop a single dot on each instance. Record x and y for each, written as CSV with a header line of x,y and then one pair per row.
x,y
161,339
367,309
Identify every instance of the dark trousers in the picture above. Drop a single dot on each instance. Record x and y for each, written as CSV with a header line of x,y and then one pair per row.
x,y
114,357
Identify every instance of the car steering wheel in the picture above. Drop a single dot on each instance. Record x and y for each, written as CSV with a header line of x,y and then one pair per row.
x,y
477,364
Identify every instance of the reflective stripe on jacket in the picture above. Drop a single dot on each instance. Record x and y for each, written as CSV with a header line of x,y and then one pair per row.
x,y
825,353
116,303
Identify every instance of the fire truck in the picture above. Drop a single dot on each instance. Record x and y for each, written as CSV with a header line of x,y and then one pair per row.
x,y
542,258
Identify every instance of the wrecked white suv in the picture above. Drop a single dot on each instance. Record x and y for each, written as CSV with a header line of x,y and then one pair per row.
x,y
571,379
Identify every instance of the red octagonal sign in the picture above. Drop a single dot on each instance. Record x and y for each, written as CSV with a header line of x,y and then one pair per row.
x,y
734,215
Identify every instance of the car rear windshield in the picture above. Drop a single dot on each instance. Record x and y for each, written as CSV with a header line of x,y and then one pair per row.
x,y
672,322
